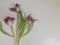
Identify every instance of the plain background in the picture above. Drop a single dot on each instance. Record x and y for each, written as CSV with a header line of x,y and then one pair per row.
x,y
46,31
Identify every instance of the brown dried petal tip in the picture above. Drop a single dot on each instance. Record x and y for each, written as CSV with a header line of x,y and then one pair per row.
x,y
30,19
17,5
12,9
7,19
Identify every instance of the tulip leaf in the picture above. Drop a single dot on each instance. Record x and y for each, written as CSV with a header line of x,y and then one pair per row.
x,y
20,20
21,29
20,15
4,32
25,15
0,26
30,26
21,24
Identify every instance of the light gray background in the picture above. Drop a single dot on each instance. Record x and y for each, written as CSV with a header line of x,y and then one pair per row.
x,y
46,31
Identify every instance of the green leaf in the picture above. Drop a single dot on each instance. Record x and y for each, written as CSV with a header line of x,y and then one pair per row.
x,y
19,18
30,26
4,32
21,29
20,15
0,26
21,21
25,15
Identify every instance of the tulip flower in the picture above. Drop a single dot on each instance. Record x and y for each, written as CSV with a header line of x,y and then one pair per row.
x,y
15,9
9,20
30,19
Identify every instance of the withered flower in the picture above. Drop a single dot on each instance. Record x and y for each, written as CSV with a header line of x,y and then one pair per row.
x,y
9,20
15,9
30,19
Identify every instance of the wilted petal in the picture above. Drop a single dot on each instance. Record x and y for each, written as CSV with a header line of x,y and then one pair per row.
x,y
15,9
12,19
12,9
17,5
30,19
9,20
6,21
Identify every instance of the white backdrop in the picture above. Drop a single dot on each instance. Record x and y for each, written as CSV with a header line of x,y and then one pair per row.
x,y
46,31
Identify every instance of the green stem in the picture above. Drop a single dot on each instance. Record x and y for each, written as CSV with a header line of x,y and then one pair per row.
x,y
15,41
12,31
17,32
18,42
14,36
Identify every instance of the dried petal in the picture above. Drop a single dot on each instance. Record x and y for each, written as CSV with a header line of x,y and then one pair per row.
x,y
9,20
6,21
12,9
17,5
30,19
15,9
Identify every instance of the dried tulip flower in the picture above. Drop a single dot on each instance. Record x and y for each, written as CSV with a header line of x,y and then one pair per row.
x,y
30,19
9,20
15,9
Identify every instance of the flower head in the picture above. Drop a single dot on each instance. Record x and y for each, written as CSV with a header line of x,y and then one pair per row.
x,y
9,20
17,5
30,19
15,9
